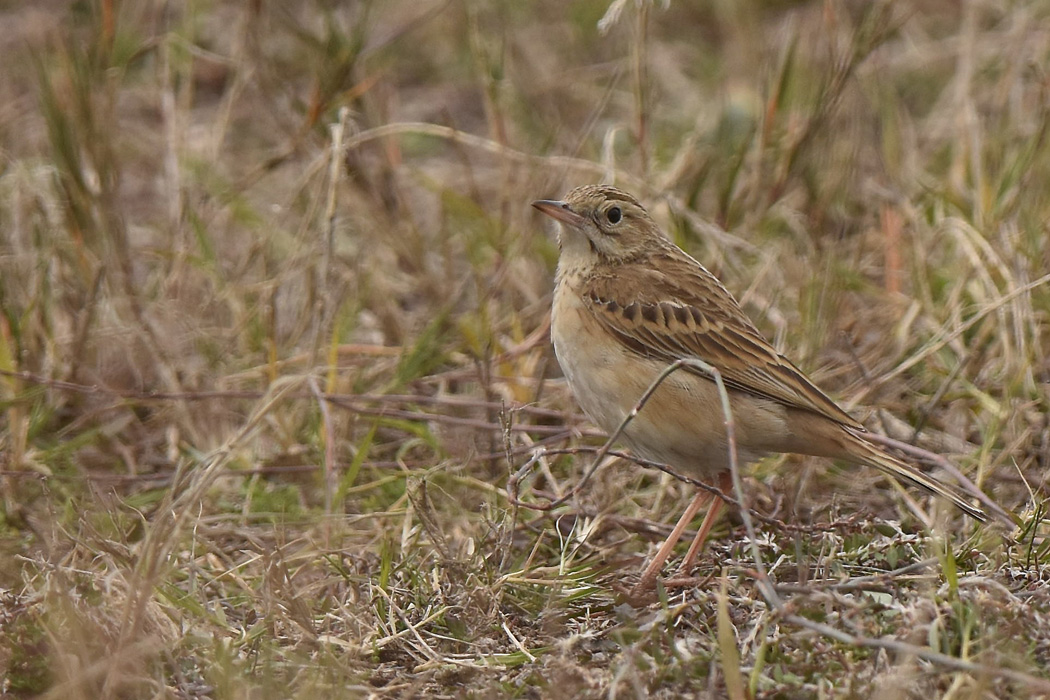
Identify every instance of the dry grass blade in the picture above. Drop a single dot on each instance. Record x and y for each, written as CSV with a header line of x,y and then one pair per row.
x,y
727,645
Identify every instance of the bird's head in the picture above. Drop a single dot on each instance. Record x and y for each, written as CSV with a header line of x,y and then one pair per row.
x,y
600,223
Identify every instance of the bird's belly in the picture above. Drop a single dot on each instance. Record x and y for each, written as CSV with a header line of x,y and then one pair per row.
x,y
682,424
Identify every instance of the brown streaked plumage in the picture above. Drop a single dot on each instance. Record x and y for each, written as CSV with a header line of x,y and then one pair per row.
x,y
628,302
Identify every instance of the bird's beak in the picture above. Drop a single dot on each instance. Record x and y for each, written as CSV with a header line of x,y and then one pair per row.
x,y
560,211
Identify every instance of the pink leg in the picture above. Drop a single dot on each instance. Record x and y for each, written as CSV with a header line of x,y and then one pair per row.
x,y
725,482
651,571
705,527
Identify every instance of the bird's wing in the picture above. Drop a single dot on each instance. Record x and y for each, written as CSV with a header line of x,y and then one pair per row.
x,y
670,307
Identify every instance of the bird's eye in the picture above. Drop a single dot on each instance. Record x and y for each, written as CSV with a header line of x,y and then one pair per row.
x,y
614,215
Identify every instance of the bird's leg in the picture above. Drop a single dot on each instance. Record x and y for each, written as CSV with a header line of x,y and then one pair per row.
x,y
651,571
725,482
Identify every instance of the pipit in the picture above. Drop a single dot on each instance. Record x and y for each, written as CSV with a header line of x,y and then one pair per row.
x,y
628,303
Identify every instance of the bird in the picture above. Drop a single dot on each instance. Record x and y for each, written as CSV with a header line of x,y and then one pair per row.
x,y
627,304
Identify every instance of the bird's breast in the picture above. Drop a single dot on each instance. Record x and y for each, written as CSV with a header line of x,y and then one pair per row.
x,y
591,360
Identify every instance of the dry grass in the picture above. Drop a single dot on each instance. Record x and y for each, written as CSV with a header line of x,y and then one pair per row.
x,y
273,343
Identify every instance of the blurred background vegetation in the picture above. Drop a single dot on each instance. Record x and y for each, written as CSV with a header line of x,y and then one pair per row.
x,y
274,339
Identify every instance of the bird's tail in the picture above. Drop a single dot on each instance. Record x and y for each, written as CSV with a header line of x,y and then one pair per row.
x,y
874,457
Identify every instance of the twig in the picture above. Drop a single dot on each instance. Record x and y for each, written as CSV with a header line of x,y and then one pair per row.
x,y
764,585
249,394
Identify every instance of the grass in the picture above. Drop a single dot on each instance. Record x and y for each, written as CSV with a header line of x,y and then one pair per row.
x,y
274,345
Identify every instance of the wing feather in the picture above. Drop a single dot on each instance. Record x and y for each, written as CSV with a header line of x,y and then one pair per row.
x,y
671,307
